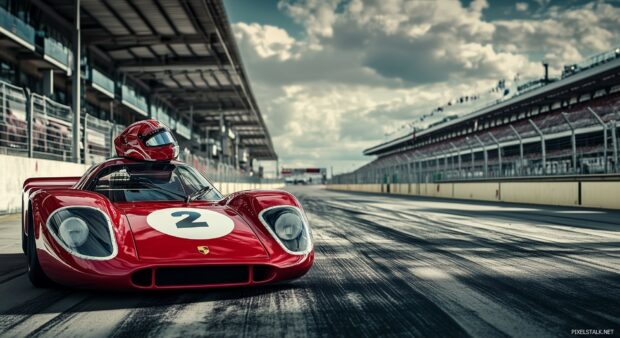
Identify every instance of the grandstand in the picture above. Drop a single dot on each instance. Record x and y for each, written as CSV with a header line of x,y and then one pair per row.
x,y
175,61
564,127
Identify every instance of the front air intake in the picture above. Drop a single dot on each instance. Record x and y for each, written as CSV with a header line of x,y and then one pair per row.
x,y
202,275
142,277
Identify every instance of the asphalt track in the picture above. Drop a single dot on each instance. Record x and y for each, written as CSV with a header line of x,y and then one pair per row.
x,y
385,266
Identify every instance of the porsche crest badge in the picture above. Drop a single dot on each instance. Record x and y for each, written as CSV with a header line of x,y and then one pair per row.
x,y
203,249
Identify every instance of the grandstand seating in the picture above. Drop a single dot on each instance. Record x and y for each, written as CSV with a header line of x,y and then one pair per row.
x,y
550,122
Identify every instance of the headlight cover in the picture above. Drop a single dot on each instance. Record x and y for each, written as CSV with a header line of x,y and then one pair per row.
x,y
289,228
84,232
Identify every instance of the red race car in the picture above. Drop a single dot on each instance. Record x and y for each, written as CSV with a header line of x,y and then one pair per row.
x,y
145,221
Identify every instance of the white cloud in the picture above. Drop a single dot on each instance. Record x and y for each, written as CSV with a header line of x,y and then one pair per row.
x,y
521,6
369,66
266,41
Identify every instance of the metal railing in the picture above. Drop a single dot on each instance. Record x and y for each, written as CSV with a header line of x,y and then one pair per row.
x,y
52,128
13,120
97,139
591,62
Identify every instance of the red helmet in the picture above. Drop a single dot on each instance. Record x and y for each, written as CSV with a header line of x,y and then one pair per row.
x,y
147,140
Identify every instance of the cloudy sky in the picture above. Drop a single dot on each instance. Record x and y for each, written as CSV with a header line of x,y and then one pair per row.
x,y
333,77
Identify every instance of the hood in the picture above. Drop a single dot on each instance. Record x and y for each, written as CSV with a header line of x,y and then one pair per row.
x,y
173,232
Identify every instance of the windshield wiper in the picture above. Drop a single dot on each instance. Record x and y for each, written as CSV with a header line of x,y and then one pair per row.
x,y
198,193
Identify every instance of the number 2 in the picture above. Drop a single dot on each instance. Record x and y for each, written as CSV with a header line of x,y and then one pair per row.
x,y
188,222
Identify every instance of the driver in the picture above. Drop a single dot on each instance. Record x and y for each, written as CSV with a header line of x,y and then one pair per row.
x,y
148,140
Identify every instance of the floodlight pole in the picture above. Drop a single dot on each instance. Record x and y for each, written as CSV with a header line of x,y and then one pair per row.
x,y
520,149
499,153
543,145
598,118
573,141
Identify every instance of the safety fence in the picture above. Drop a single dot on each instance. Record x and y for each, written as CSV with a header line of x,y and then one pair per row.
x,y
580,140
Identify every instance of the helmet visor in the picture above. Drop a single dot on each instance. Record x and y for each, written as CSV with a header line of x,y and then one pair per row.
x,y
161,138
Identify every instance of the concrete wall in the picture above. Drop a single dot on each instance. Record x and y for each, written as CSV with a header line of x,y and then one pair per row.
x,y
600,194
477,191
593,194
553,193
14,170
444,190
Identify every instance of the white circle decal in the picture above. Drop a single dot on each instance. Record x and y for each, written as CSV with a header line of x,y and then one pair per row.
x,y
190,223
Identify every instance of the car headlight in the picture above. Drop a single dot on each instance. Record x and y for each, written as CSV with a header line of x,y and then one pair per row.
x,y
73,231
289,228
84,232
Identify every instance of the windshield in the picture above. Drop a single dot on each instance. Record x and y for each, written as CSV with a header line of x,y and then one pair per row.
x,y
143,182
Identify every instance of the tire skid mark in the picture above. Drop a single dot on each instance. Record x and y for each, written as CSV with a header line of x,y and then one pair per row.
x,y
65,315
18,314
398,291
452,227
150,316
493,282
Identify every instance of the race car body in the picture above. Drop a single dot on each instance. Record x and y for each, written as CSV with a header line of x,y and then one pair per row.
x,y
159,224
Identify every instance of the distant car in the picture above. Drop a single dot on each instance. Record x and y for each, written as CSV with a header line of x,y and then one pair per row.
x,y
146,221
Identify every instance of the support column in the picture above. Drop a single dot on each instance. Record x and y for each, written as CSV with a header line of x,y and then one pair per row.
x,y
543,145
520,149
573,142
486,156
30,123
471,150
48,82
614,127
602,123
76,85
191,122
499,153
419,171
222,139
458,153
436,166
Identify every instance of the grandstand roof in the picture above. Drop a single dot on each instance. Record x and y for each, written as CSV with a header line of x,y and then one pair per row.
x,y
563,88
183,51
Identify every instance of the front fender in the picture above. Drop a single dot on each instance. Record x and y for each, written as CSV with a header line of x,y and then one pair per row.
x,y
249,204
45,202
